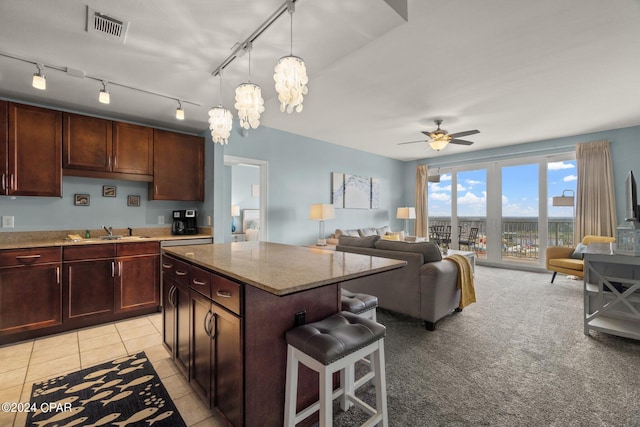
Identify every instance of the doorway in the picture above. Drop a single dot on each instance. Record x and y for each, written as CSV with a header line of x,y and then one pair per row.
x,y
250,200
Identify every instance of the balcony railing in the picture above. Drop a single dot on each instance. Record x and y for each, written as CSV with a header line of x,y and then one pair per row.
x,y
520,237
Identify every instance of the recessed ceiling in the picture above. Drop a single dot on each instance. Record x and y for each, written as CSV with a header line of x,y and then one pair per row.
x,y
517,71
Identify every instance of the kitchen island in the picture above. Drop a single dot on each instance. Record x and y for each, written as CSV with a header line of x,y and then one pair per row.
x,y
242,298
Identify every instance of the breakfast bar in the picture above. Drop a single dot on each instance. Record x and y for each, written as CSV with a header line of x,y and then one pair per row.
x,y
242,298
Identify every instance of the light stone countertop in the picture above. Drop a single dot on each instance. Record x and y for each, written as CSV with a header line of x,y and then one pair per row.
x,y
43,239
282,269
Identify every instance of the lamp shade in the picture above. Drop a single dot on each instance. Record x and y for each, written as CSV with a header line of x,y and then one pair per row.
x,y
406,213
235,210
564,200
321,212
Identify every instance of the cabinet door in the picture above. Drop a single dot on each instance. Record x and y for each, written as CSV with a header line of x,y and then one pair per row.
x,y
200,373
4,148
87,143
88,289
137,283
227,373
30,298
168,314
182,352
178,164
35,151
132,149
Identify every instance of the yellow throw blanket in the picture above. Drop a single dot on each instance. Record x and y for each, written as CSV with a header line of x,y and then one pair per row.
x,y
465,279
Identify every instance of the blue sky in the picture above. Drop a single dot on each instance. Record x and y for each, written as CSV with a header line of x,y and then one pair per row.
x,y
519,191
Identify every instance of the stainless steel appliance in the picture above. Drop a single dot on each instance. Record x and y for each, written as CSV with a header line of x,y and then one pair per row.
x,y
185,221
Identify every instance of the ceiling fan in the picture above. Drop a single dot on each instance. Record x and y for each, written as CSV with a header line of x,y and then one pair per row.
x,y
440,138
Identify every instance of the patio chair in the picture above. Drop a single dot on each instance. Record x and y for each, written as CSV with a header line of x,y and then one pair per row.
x,y
471,240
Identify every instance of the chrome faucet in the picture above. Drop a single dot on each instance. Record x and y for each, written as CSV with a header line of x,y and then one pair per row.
x,y
108,230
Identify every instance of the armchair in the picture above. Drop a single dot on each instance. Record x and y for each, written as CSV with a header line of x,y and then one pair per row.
x,y
564,259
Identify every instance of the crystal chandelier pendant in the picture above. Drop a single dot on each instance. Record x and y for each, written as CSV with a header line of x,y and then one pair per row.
x,y
291,83
249,104
220,123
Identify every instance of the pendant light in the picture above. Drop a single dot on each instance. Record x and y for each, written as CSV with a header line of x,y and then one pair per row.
x,y
291,77
179,111
220,121
249,102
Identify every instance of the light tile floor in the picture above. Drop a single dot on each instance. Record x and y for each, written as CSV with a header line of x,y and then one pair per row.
x,y
26,362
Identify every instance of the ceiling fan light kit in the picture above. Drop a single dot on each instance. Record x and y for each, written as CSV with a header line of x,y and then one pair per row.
x,y
440,138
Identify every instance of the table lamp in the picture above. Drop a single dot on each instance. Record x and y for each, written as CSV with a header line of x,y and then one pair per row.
x,y
235,211
322,212
406,214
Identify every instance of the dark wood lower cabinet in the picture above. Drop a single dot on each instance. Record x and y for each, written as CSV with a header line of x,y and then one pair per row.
x,y
175,321
137,283
88,289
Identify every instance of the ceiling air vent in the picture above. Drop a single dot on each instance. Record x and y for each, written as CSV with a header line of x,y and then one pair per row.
x,y
106,26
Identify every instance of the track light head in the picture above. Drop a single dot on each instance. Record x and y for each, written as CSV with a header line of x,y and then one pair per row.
x,y
39,80
179,111
104,96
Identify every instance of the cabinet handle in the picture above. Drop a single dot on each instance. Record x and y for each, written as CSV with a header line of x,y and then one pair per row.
x,y
198,282
181,273
172,296
113,269
3,182
206,323
224,294
58,275
119,268
11,183
213,329
27,259
167,265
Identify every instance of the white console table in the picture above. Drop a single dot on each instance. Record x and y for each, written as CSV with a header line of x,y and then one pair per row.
x,y
611,292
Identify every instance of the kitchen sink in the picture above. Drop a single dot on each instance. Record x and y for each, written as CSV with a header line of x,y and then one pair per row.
x,y
110,237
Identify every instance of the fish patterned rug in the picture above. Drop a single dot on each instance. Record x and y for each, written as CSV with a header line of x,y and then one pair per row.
x,y
124,392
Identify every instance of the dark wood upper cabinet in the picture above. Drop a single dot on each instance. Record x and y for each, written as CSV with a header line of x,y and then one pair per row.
x,y
178,164
132,149
101,148
87,143
31,151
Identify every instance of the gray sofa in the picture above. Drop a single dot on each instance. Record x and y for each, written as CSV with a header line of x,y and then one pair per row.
x,y
426,288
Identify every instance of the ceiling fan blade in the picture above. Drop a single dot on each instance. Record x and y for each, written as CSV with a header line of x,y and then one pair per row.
x,y
460,141
412,142
465,133
427,133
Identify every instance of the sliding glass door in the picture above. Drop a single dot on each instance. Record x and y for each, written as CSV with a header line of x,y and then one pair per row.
x,y
509,202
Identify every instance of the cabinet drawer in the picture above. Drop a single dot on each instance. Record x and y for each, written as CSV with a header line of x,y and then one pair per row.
x,y
87,252
138,248
17,257
201,281
177,269
226,293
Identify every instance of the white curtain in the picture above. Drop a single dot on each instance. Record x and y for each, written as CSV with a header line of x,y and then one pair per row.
x,y
421,201
596,199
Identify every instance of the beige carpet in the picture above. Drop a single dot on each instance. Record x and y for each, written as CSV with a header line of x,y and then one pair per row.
x,y
517,357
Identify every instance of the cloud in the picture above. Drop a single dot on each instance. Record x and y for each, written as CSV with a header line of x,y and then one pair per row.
x,y
473,182
445,177
441,197
554,166
569,178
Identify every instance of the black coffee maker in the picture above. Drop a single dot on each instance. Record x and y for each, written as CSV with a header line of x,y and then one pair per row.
x,y
185,221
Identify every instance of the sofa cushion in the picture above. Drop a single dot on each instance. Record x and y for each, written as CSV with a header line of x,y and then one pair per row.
x,y
361,242
430,251
364,232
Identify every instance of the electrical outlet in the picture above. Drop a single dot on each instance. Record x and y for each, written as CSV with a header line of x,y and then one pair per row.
x,y
209,220
7,222
160,219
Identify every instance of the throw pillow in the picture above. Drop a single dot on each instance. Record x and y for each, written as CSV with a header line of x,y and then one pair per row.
x,y
364,232
339,232
430,251
578,253
391,236
383,230
361,242
400,234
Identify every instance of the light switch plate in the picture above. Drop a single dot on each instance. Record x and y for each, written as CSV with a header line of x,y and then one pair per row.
x,y
7,222
160,219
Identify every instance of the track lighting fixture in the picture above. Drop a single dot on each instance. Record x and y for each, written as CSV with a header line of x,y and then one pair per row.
x,y
104,96
39,80
179,111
